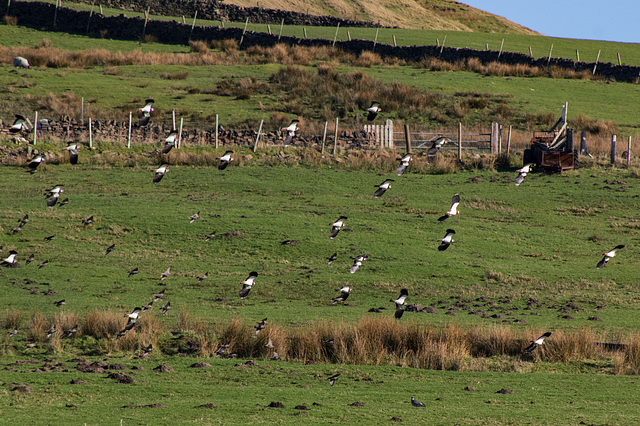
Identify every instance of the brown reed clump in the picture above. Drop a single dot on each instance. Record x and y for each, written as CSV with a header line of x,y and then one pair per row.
x,y
103,325
12,319
198,46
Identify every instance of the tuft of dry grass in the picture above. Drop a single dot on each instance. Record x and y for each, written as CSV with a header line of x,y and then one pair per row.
x,y
12,319
10,20
103,325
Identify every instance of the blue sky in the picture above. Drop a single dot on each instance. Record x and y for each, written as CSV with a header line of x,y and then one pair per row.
x,y
613,20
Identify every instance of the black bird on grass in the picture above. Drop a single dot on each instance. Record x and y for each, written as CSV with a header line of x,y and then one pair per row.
x,y
225,160
608,255
159,295
416,403
60,303
382,188
49,238
72,147
536,343
194,217
165,308
336,226
344,294
333,379
43,264
247,284
51,201
147,350
110,249
63,202
373,111
30,259
400,303
70,332
13,332
453,210
404,164
447,240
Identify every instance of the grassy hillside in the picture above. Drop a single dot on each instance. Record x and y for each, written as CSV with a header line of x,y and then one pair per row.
x,y
416,14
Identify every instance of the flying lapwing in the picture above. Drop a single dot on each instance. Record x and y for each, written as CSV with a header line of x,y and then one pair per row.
x,y
382,188
165,308
34,163
147,350
166,274
30,259
24,220
337,225
67,334
225,160
332,258
400,303
194,217
63,202
51,201
344,294
19,124
17,229
247,284
170,142
53,191
159,174
13,332
404,164
147,307
203,277
447,240
133,272
210,236
148,106
43,264
416,403
72,147
269,344
608,255
88,221
522,173
133,316
333,379
60,303
260,326
51,331
11,259
144,120
453,210
110,249
127,327
158,296
289,242
49,238
357,262
437,145
373,111
291,132
536,343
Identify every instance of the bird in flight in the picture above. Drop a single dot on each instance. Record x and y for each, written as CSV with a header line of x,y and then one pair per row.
x,y
148,106
247,284
337,225
165,274
404,164
447,240
373,111
160,173
437,145
34,163
608,255
522,173
536,343
382,188
291,132
453,210
400,303
333,379
110,249
332,258
72,147
19,124
357,262
225,160
344,294
194,217
170,142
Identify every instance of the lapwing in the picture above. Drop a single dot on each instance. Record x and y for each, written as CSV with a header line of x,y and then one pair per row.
x,y
268,345
337,225
357,262
522,173
536,343
144,120
194,217
31,346
110,249
400,303
147,307
437,145
333,379
165,308
43,264
133,272
51,331
344,294
148,106
404,164
289,242
11,259
127,327
159,295
24,220
70,332
30,259
291,132
49,238
60,303
34,163
159,174
88,221
58,189
608,255
382,188
17,229
210,236
13,332
225,160
416,403
19,124
63,202
133,316
51,201
170,142
332,258
247,284
147,350
166,274
72,147
453,210
447,240
260,326
373,111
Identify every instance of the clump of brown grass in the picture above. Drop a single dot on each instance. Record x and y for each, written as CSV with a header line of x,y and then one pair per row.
x,y
368,59
182,75
11,319
594,126
56,105
38,325
103,325
11,20
198,46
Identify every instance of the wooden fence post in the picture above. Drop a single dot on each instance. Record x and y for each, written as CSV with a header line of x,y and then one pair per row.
x,y
583,142
129,135
499,139
193,25
173,119
336,34
335,135
324,136
500,51
304,29
35,129
549,57
255,146
407,138
246,22
217,143
509,141
146,19
530,52
619,61
281,26
459,141
388,133
180,132
375,40
613,150
55,13
394,41
577,56
101,13
82,110
90,15
494,138
348,35
442,46
596,64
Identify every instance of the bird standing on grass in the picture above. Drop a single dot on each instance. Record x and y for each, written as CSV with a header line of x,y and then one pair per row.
x,y
453,210
404,164
416,403
608,255
536,343
337,225
382,188
247,284
225,160
400,303
373,111
522,173
447,240
344,294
